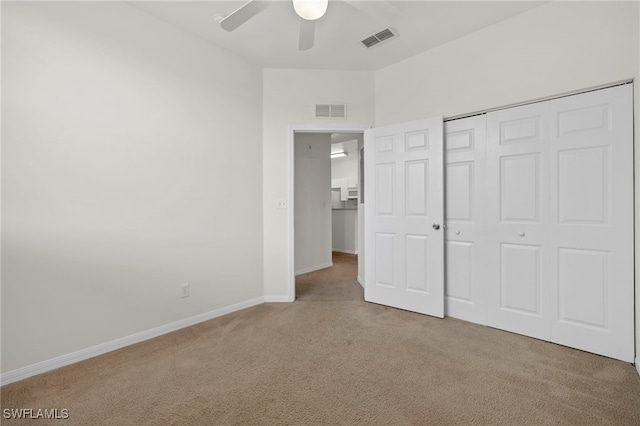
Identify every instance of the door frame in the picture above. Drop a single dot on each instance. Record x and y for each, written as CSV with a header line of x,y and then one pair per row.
x,y
293,129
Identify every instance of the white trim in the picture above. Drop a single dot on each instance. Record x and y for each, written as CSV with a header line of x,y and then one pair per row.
x,y
278,299
81,355
543,99
637,364
344,251
314,268
360,281
309,128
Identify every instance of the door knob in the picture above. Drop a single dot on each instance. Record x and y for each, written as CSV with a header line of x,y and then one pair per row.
x,y
436,226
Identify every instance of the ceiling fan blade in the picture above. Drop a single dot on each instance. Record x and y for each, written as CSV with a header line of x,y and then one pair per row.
x,y
307,34
384,10
242,15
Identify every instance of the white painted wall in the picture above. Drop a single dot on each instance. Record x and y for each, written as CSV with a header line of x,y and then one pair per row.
x,y
344,224
128,168
288,99
344,230
312,205
553,49
344,167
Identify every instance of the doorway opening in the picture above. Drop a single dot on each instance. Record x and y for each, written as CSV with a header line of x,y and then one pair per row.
x,y
337,282
325,204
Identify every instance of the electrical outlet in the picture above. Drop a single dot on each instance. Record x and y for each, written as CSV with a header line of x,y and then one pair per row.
x,y
281,204
184,290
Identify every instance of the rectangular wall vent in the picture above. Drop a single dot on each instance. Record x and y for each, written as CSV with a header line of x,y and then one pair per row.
x,y
379,36
331,110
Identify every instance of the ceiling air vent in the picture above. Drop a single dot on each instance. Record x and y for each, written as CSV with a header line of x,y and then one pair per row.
x,y
379,36
331,110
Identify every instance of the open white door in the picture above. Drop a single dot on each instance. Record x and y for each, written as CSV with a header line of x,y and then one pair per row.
x,y
404,209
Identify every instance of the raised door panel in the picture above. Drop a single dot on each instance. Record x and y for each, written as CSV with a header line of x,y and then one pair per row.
x,y
460,266
520,130
417,187
385,260
414,141
384,144
584,282
385,187
583,186
463,139
520,188
417,263
520,279
460,203
587,119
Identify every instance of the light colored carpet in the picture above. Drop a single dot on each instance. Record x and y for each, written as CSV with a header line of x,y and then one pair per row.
x,y
331,358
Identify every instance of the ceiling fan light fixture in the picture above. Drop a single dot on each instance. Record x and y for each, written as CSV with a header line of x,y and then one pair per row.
x,y
310,9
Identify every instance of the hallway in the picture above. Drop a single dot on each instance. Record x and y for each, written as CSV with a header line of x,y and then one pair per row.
x,y
335,283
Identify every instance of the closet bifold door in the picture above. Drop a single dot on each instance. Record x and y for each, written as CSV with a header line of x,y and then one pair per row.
x,y
465,205
560,221
518,210
593,240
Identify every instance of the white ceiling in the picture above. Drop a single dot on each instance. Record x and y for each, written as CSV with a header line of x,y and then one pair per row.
x,y
270,39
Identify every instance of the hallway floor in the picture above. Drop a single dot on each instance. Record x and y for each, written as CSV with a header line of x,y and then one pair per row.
x,y
335,283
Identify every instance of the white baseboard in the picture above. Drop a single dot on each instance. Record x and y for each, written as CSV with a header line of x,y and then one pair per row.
x,y
637,365
278,299
81,355
344,251
360,281
314,268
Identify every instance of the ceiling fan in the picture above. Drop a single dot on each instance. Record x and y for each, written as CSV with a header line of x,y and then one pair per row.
x,y
309,11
